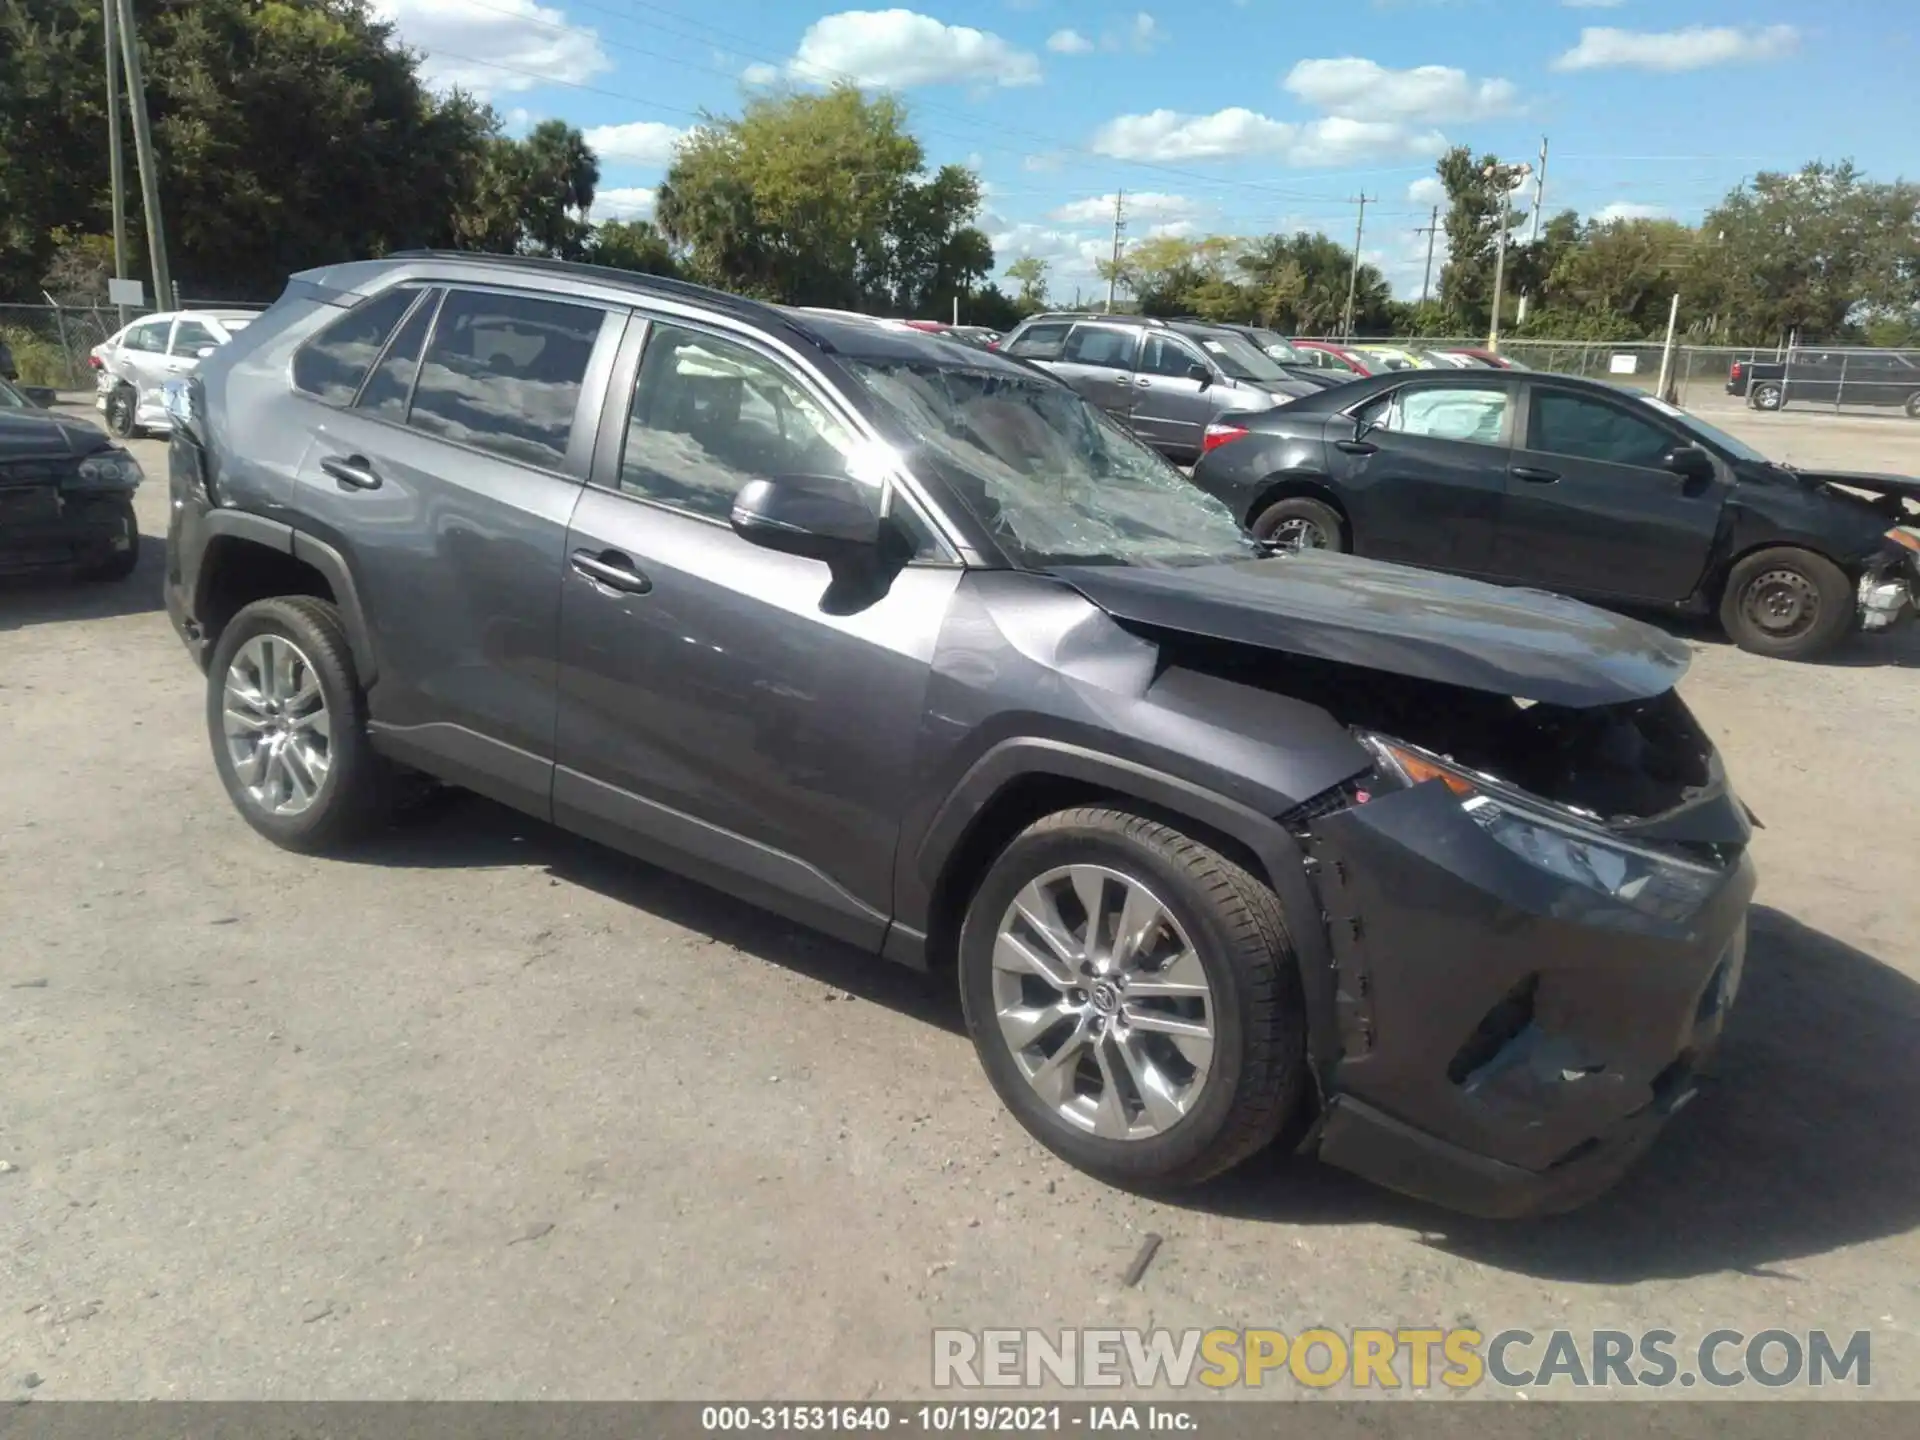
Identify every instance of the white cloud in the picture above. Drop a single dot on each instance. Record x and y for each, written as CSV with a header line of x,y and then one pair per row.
x,y
1340,140
1145,204
1694,48
1427,191
1068,42
638,142
634,203
1630,210
895,49
1168,135
1366,90
759,73
499,46
1141,34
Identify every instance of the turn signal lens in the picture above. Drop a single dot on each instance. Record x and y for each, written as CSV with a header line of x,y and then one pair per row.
x,y
1910,539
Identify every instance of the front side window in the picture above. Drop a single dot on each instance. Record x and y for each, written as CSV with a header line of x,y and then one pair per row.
x,y
332,365
1100,346
710,415
1163,355
1039,342
1588,429
190,337
1050,477
503,374
1477,415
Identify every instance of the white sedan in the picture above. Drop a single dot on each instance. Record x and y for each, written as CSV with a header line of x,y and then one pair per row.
x,y
132,366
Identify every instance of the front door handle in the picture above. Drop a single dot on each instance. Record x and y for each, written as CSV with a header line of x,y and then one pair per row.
x,y
1534,475
352,471
611,569
1356,447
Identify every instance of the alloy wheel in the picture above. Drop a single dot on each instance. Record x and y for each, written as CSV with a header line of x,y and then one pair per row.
x,y
1297,532
1782,603
278,731
1103,1001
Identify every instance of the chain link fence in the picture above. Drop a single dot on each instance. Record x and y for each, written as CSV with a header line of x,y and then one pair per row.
x,y
50,343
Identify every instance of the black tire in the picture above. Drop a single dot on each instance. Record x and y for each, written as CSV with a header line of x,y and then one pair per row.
x,y
1787,603
119,564
1317,523
355,798
1257,1076
1913,406
123,405
1768,395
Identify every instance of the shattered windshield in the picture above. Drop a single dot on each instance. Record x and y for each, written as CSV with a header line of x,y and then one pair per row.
x,y
1052,479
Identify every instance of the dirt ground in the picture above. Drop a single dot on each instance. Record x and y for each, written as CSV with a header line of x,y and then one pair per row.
x,y
489,1112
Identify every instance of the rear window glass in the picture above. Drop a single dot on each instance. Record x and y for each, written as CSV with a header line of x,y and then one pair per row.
x,y
331,366
1038,342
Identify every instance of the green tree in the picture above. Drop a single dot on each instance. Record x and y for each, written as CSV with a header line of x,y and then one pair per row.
x,y
1300,284
631,245
1478,204
1029,272
1624,269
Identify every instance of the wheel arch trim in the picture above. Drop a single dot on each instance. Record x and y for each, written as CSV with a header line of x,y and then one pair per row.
x,y
276,535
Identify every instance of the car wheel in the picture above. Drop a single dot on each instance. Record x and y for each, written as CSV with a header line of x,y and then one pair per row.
x,y
1767,396
288,724
1133,998
124,558
122,406
1299,523
1913,406
1787,603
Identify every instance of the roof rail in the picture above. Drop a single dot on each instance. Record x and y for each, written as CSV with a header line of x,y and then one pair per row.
x,y
1096,315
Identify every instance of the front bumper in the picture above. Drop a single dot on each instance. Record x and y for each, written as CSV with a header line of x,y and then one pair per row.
x,y
1511,1042
44,530
1887,595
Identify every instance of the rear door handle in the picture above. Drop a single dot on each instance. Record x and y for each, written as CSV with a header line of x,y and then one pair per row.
x,y
353,472
1356,447
1534,476
611,569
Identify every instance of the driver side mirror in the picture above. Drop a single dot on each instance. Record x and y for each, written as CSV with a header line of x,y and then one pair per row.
x,y
1689,462
1200,374
819,517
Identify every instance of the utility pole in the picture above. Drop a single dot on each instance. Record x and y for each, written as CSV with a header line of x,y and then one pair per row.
x,y
1539,199
1431,230
1353,276
1502,178
1119,229
116,160
164,298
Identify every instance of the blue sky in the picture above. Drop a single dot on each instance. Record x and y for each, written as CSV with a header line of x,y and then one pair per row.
x,y
1227,116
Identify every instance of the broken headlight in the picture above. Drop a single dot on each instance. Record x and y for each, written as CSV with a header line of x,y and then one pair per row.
x,y
1566,843
110,468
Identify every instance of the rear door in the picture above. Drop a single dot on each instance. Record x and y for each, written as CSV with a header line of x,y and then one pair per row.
x,y
1813,377
447,483
141,360
1097,360
1424,479
1170,408
1590,509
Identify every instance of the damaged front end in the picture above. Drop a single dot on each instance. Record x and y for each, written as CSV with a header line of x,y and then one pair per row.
x,y
1537,917
1890,583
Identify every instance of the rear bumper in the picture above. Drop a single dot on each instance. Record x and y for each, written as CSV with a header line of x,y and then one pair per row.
x,y
85,530
1511,1042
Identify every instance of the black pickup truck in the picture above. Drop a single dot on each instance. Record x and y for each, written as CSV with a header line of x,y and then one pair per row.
x,y
1886,378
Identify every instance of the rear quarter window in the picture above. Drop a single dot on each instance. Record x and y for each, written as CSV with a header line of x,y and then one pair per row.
x,y
1039,342
333,364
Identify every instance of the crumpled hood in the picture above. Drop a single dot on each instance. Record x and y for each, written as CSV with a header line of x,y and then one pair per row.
x,y
1395,618
36,435
1904,486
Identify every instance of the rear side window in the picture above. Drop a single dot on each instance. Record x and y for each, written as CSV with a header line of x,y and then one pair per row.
x,y
1097,345
504,372
1477,415
149,337
332,365
391,383
190,337
1039,342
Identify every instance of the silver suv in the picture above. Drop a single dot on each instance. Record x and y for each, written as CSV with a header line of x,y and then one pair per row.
x,y
1165,380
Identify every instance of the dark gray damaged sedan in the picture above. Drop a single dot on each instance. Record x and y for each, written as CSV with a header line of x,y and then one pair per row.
x,y
903,640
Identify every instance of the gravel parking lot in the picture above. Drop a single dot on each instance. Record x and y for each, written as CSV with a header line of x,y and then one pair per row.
x,y
489,1112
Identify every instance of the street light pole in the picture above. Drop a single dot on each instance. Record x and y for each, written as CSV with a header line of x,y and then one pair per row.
x,y
116,161
1502,177
143,154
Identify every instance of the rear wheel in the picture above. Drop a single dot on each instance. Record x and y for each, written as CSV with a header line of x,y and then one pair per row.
x,y
1767,396
1301,523
1913,406
288,724
1787,603
1133,998
122,406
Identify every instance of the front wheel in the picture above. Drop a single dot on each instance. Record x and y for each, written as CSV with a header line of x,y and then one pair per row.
x,y
1133,998
287,720
123,408
1768,396
1787,603
1301,523
1913,406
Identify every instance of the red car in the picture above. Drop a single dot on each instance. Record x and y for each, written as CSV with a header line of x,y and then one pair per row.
x,y
1325,356
1486,357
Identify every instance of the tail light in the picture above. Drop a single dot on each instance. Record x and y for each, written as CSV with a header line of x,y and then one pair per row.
x,y
93,362
1739,369
1218,435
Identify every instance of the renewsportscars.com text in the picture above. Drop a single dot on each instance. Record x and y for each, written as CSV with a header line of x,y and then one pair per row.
x,y
1399,1359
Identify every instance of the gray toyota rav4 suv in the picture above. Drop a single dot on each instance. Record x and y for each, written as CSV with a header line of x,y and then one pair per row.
x,y
907,642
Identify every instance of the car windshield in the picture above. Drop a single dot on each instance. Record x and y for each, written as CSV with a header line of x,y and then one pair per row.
x,y
1278,348
1051,478
1239,356
12,399
1713,435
